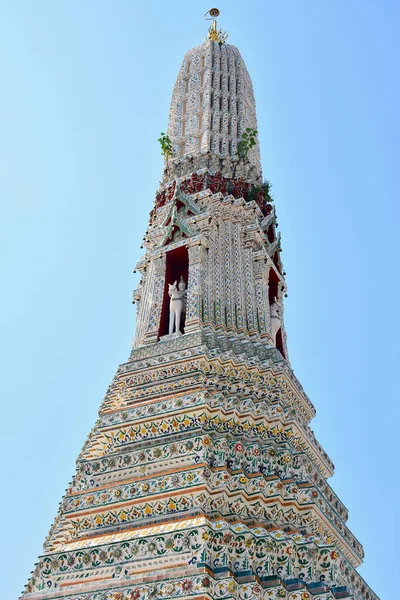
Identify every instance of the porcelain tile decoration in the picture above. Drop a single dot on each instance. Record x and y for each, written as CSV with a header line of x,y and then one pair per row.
x,y
201,478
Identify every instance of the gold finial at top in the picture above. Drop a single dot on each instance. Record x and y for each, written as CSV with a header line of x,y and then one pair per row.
x,y
213,34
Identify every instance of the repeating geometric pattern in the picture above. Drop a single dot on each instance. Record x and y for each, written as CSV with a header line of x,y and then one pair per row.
x,y
212,103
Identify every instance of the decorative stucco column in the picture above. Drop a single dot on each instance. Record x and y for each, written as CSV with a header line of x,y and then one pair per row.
x,y
249,289
261,277
156,299
197,292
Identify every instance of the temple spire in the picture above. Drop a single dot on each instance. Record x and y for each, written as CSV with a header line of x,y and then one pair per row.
x,y
212,106
201,477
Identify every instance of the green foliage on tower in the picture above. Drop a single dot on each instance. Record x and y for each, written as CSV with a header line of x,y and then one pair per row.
x,y
249,139
166,145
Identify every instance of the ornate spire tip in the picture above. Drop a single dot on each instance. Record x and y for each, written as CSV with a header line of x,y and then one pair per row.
x,y
213,34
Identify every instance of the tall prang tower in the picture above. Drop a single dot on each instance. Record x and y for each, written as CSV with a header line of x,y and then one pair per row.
x,y
201,478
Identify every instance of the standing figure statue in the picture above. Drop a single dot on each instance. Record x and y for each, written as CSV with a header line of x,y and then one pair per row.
x,y
276,318
182,289
176,305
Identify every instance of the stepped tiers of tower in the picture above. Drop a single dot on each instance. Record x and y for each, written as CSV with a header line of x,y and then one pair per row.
x,y
202,478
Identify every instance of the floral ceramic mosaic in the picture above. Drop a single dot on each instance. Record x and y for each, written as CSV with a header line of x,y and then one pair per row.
x,y
201,477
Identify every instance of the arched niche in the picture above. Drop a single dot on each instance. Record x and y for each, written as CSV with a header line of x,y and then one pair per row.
x,y
273,280
177,266
279,342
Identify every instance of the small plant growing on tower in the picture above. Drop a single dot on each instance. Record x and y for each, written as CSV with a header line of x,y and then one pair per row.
x,y
264,190
166,145
249,139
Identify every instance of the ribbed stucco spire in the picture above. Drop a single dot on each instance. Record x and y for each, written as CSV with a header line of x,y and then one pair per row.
x,y
212,104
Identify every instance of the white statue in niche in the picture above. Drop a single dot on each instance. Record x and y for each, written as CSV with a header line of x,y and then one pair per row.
x,y
276,317
182,289
177,305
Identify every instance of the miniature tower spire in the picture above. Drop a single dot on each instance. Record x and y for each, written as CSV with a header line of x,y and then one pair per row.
x,y
227,244
212,105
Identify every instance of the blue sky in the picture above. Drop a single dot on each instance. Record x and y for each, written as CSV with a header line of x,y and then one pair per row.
x,y
85,93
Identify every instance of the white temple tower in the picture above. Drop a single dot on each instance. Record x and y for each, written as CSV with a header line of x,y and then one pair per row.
x,y
212,104
201,478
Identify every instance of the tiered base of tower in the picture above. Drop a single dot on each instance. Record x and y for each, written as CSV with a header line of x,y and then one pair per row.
x,y
201,479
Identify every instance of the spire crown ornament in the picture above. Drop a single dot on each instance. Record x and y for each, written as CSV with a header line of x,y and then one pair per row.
x,y
213,34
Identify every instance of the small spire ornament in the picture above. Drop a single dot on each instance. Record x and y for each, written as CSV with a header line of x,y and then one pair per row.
x,y
213,34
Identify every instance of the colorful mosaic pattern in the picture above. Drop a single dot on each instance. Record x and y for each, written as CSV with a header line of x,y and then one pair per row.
x,y
204,485
201,477
230,258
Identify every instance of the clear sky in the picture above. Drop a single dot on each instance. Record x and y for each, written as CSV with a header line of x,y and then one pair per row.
x,y
85,92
